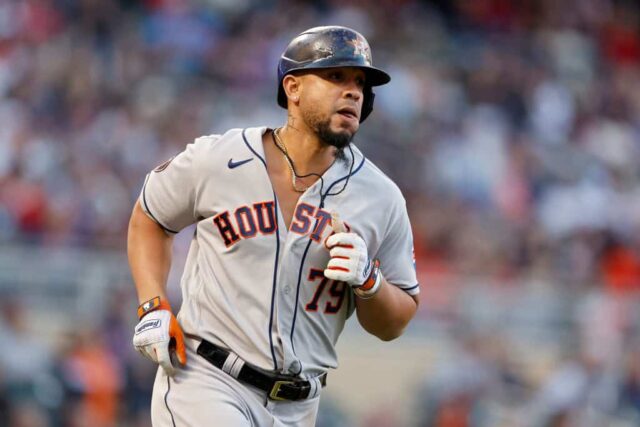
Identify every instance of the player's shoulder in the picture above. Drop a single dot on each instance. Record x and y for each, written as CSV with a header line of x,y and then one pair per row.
x,y
216,140
373,176
228,142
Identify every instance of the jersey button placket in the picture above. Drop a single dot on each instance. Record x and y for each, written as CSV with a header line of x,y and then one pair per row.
x,y
284,303
287,300
293,252
294,367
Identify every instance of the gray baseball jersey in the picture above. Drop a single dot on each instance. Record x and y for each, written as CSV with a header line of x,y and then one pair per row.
x,y
252,285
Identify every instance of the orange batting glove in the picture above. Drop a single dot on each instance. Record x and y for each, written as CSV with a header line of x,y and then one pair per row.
x,y
158,335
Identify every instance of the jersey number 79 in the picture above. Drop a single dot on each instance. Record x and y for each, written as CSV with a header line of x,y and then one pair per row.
x,y
335,289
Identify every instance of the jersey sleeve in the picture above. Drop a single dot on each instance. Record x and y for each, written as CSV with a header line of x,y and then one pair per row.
x,y
169,192
396,255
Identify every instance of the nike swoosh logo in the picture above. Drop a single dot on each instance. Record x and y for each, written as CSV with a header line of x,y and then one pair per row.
x,y
233,164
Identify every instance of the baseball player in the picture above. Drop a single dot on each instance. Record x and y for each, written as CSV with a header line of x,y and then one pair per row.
x,y
295,230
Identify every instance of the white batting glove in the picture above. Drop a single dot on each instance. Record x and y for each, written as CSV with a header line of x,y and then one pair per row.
x,y
158,336
349,261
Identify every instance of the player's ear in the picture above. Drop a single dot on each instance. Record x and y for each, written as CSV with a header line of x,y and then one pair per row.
x,y
291,86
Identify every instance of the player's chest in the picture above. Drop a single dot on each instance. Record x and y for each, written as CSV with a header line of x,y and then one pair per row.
x,y
259,213
290,223
288,198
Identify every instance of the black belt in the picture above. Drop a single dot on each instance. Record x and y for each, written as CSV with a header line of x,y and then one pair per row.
x,y
278,387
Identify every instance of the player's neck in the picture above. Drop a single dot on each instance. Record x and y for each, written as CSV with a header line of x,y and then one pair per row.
x,y
309,154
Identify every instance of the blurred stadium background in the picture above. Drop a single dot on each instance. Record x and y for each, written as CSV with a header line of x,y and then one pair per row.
x,y
513,128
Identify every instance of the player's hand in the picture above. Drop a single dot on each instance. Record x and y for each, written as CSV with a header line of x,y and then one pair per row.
x,y
158,336
350,260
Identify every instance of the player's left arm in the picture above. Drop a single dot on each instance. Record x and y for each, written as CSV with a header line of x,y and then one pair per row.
x,y
387,313
384,306
383,309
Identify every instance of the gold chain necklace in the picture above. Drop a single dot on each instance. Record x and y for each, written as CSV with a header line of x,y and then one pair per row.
x,y
285,153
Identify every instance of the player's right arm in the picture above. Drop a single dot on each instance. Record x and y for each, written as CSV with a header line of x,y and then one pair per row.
x,y
167,204
149,252
158,333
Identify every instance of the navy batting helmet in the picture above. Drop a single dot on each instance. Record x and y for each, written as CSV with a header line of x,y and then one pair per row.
x,y
331,47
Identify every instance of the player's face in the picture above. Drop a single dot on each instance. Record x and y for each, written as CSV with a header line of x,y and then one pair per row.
x,y
331,103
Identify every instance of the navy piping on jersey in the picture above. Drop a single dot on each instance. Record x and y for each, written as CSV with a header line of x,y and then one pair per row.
x,y
351,303
166,403
304,255
411,288
326,193
146,206
295,310
275,267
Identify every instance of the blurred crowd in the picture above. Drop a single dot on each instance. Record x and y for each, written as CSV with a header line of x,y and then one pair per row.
x,y
513,128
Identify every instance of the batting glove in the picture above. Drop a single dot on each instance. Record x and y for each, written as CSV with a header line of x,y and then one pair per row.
x,y
350,261
158,336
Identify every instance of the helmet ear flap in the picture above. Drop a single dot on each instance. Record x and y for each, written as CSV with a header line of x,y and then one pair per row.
x,y
367,103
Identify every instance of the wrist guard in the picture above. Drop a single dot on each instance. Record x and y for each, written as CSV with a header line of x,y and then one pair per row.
x,y
371,286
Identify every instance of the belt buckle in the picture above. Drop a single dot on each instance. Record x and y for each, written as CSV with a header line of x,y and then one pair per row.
x,y
273,395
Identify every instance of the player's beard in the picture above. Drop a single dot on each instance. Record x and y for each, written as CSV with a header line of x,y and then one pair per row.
x,y
322,129
337,139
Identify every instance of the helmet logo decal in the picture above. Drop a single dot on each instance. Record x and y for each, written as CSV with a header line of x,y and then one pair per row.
x,y
360,47
323,51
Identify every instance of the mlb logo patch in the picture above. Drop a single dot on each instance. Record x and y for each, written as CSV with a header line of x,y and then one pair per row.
x,y
360,47
413,256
